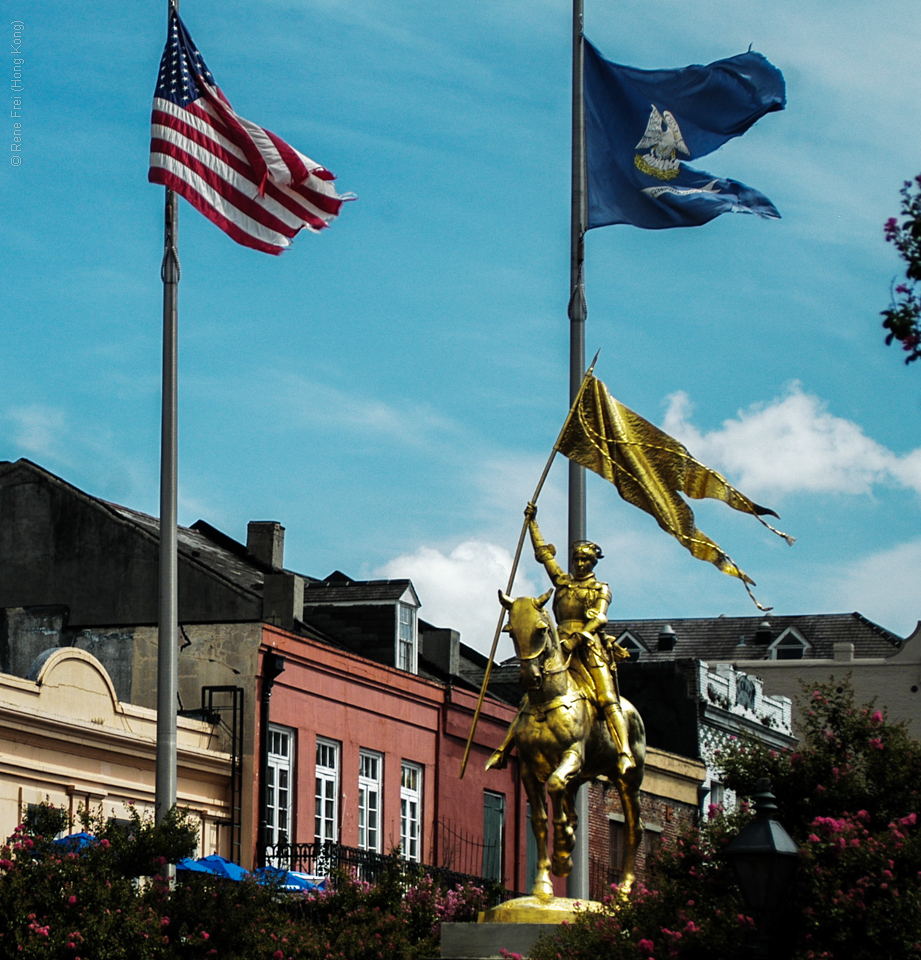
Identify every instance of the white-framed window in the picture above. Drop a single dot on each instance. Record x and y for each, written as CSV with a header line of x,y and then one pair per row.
x,y
370,775
411,811
279,772
326,820
406,638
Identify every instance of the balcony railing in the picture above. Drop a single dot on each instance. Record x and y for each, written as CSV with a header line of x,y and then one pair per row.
x,y
333,859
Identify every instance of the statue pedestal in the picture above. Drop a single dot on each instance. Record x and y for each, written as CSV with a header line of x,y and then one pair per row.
x,y
514,926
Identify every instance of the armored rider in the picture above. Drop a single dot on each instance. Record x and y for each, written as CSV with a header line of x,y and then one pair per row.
x,y
580,605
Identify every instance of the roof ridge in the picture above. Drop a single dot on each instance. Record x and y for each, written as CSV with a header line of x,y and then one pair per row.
x,y
882,631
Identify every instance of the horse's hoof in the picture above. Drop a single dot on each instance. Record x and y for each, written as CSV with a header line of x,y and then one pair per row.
x,y
542,889
498,761
621,891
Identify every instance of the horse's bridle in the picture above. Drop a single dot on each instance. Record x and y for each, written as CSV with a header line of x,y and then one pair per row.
x,y
542,654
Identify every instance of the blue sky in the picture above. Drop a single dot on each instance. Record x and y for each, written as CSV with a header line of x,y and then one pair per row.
x,y
389,390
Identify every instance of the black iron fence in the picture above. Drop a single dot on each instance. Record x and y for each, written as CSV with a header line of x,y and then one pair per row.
x,y
334,860
600,877
462,851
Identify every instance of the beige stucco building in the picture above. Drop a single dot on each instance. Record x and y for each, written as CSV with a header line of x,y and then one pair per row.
x,y
66,738
892,682
787,652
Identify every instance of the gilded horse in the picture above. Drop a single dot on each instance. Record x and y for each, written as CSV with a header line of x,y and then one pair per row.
x,y
563,742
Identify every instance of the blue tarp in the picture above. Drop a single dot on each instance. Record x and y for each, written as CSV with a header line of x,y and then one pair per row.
x,y
216,865
76,841
187,863
289,879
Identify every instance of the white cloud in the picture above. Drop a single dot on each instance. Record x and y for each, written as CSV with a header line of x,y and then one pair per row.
x,y
38,430
793,444
53,439
321,405
883,587
458,589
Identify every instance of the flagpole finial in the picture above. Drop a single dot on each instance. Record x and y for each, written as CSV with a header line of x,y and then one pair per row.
x,y
591,368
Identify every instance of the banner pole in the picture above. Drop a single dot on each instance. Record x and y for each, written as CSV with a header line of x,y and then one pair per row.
x,y
511,580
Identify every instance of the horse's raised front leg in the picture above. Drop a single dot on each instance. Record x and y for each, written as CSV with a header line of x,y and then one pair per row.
x,y
629,789
543,886
565,820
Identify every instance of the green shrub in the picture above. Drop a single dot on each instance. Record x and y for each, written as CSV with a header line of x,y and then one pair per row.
x,y
61,903
848,795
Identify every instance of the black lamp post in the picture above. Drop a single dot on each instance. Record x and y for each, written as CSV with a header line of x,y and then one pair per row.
x,y
764,859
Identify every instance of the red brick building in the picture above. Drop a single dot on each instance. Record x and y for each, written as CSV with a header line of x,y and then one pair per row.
x,y
372,754
345,714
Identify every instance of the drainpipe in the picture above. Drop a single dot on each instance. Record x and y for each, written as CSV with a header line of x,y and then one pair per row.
x,y
439,773
273,665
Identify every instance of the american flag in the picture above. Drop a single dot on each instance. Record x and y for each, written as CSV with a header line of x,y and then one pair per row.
x,y
259,190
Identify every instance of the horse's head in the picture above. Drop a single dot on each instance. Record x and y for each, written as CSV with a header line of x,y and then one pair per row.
x,y
533,633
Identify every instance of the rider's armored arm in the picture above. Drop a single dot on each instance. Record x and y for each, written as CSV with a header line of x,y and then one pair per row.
x,y
544,553
597,613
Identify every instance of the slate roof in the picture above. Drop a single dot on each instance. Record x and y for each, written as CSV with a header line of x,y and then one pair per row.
x,y
504,681
724,639
215,550
339,588
231,560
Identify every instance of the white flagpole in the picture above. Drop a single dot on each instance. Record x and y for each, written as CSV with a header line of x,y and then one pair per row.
x,y
168,609
577,884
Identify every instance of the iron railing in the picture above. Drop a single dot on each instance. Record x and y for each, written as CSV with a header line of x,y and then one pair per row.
x,y
600,877
332,860
460,850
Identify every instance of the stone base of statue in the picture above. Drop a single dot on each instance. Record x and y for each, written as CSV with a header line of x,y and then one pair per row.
x,y
514,926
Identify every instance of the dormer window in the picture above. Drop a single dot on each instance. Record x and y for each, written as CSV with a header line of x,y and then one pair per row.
x,y
631,645
406,638
790,645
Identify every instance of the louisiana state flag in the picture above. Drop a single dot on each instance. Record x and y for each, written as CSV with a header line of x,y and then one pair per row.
x,y
642,126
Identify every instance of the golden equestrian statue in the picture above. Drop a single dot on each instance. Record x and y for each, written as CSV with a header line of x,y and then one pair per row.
x,y
573,725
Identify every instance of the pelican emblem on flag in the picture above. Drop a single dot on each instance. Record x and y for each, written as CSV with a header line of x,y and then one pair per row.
x,y
663,135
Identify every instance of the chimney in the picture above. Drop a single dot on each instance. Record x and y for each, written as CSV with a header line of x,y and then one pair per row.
x,y
843,651
265,540
282,599
667,638
442,647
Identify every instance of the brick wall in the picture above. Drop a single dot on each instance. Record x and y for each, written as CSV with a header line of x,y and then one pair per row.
x,y
663,819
